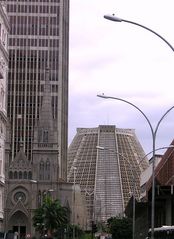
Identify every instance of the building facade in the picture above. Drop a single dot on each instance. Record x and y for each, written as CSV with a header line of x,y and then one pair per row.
x,y
4,29
164,195
27,182
39,38
146,175
37,109
108,162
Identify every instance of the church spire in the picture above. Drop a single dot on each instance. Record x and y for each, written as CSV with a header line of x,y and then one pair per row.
x,y
46,116
47,133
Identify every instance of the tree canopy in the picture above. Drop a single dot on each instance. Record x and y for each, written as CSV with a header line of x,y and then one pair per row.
x,y
120,228
50,216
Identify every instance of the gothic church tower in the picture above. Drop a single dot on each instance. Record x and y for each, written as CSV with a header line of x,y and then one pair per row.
x,y
27,182
45,145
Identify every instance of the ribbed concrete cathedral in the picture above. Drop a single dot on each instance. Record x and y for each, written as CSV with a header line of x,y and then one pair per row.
x,y
108,174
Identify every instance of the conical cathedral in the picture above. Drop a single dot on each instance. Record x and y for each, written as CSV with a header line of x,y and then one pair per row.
x,y
108,162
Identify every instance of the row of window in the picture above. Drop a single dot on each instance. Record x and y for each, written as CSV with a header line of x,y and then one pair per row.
x,y
32,75
35,19
30,105
53,56
31,116
34,42
30,100
33,8
34,31
20,175
34,1
30,88
40,54
44,173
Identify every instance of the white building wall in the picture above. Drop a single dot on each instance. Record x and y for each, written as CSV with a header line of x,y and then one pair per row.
x,y
146,174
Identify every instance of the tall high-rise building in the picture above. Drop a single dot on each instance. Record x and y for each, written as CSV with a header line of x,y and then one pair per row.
x,y
39,38
108,163
4,28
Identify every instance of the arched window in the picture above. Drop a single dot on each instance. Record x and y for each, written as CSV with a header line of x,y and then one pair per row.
x,y
44,194
47,170
25,175
2,93
1,129
49,194
40,135
45,136
39,198
15,175
29,175
20,175
10,175
41,170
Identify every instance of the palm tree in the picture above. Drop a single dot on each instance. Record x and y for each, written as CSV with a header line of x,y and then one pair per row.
x,y
50,216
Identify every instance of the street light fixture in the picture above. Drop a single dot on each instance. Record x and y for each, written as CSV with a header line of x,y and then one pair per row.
x,y
117,19
154,133
33,181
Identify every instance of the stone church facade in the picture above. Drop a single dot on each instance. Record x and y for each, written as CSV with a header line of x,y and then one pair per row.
x,y
27,182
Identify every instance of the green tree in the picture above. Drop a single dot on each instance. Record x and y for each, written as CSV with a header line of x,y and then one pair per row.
x,y
50,216
120,228
68,232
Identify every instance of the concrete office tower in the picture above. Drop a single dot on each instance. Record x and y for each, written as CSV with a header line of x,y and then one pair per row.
x,y
4,28
106,176
39,38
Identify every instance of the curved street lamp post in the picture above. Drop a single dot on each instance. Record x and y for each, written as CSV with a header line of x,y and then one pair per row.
x,y
134,173
153,131
74,184
117,19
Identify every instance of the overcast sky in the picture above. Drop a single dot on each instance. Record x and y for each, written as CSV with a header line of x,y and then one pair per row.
x,y
125,61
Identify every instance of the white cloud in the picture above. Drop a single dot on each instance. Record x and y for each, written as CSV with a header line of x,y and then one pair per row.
x,y
121,60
